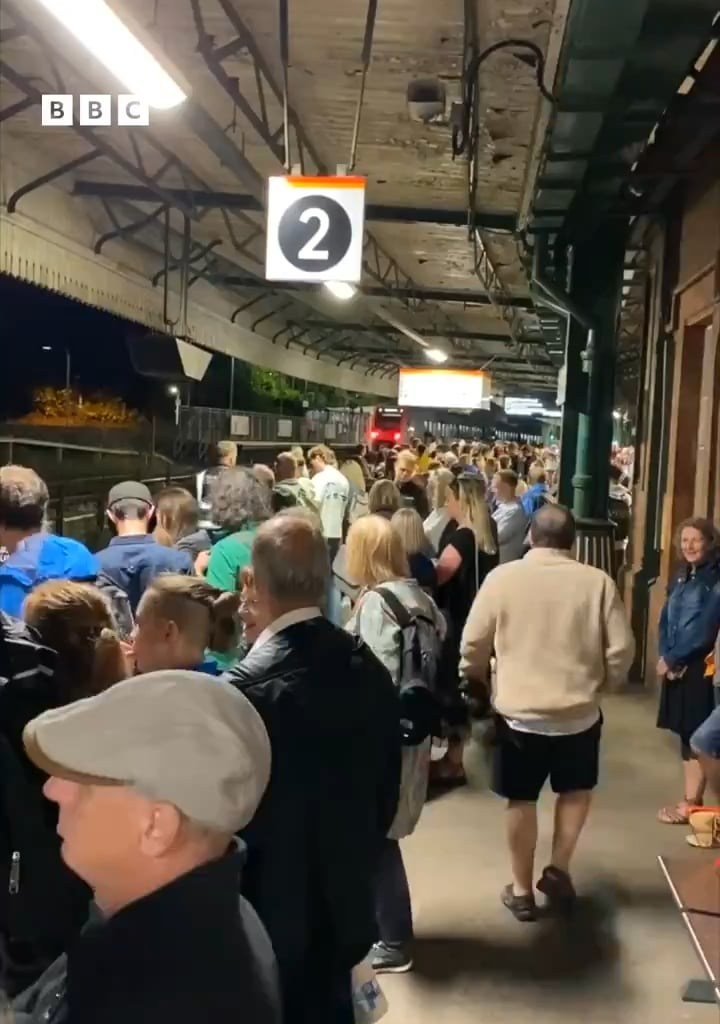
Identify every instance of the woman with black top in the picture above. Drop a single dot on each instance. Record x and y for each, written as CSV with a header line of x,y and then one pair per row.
x,y
468,552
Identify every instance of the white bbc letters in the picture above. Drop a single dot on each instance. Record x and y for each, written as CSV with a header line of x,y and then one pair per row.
x,y
131,110
57,110
94,110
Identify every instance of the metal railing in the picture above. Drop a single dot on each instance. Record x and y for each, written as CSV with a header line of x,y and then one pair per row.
x,y
77,508
201,427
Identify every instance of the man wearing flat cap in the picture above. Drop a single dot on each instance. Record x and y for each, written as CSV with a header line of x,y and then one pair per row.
x,y
152,779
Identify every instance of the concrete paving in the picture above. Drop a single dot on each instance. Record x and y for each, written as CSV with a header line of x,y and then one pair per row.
x,y
624,957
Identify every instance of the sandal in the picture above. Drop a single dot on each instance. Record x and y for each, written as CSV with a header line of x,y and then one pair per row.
x,y
705,824
558,887
677,814
523,908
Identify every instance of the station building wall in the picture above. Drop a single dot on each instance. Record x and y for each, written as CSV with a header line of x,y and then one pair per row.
x,y
678,443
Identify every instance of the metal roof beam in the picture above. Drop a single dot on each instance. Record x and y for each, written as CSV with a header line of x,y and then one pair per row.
x,y
427,332
289,125
248,203
450,295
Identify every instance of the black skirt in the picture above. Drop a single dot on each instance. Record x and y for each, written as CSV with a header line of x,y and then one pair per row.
x,y
686,703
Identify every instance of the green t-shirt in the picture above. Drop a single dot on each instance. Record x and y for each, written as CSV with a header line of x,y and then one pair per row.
x,y
228,557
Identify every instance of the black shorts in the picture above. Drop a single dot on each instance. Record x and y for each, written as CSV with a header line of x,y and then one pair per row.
x,y
523,761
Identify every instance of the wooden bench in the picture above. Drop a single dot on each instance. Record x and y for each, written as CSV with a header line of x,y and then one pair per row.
x,y
695,887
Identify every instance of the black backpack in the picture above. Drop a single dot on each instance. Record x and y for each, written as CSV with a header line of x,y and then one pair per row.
x,y
420,709
37,891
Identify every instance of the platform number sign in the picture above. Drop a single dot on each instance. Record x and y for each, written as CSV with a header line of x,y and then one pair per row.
x,y
315,229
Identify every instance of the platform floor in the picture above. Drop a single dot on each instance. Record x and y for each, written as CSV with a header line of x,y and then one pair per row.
x,y
625,956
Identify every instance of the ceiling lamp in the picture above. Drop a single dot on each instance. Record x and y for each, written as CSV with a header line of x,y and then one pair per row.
x,y
436,355
96,25
340,289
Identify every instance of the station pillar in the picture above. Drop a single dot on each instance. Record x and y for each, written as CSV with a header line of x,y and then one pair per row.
x,y
574,409
597,290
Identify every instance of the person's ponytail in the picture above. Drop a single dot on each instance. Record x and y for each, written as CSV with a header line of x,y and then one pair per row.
x,y
108,661
224,623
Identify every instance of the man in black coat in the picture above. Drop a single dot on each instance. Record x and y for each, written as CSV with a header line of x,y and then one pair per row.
x,y
33,876
153,777
332,715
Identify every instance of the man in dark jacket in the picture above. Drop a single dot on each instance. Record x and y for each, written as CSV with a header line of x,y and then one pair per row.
x,y
134,558
331,712
32,874
152,778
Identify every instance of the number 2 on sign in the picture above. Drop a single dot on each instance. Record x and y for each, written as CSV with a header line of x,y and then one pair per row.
x,y
309,250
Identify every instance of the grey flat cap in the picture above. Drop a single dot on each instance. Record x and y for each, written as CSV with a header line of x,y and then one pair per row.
x,y
177,737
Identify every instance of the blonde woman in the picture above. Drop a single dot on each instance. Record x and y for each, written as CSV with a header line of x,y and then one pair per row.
x,y
384,499
467,555
409,527
377,560
438,520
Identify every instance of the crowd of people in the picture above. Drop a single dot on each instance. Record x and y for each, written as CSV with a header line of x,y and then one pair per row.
x,y
215,731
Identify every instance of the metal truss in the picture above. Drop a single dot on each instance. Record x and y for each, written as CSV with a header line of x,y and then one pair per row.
x,y
196,260
500,300
483,263
272,124
156,169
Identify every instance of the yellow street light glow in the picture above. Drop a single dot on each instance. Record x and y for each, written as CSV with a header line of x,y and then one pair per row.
x,y
107,37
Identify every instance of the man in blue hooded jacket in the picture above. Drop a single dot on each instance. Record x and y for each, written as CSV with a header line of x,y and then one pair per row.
x,y
34,555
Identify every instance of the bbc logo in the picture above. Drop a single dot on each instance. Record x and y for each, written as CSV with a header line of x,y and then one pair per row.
x,y
58,110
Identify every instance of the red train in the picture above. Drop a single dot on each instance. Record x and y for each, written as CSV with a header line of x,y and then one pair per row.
x,y
388,425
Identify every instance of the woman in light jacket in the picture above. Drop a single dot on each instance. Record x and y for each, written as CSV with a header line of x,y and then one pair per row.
x,y
376,558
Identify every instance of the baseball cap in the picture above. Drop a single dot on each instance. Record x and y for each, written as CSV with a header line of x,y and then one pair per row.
x,y
129,490
183,738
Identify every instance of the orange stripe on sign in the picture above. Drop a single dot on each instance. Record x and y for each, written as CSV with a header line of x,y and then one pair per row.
x,y
319,182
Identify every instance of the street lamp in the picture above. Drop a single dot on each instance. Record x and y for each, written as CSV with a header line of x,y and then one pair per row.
x,y
68,363
174,391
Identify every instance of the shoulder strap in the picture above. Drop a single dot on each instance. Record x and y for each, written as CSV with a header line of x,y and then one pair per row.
x,y
403,616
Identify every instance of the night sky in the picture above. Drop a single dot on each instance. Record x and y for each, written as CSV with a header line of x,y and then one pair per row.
x,y
32,317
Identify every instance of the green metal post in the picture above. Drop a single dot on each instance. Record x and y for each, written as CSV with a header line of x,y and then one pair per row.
x,y
573,409
597,289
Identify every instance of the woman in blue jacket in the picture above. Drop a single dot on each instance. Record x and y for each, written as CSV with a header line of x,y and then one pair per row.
x,y
689,624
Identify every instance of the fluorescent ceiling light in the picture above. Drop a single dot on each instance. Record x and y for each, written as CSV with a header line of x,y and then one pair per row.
x,y
340,289
437,355
107,37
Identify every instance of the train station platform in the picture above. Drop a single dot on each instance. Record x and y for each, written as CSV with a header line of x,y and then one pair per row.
x,y
624,958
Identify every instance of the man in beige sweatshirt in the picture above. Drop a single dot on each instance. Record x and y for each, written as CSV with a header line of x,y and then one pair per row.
x,y
560,635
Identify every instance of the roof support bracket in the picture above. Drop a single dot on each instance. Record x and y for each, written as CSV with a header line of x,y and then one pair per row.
x,y
53,175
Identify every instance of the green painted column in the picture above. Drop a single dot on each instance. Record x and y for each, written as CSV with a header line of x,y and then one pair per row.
x,y
574,410
597,290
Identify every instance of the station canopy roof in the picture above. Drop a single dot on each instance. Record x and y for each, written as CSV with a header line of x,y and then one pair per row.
x,y
454,205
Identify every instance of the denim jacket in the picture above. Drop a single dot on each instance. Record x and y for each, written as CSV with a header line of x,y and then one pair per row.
x,y
690,619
